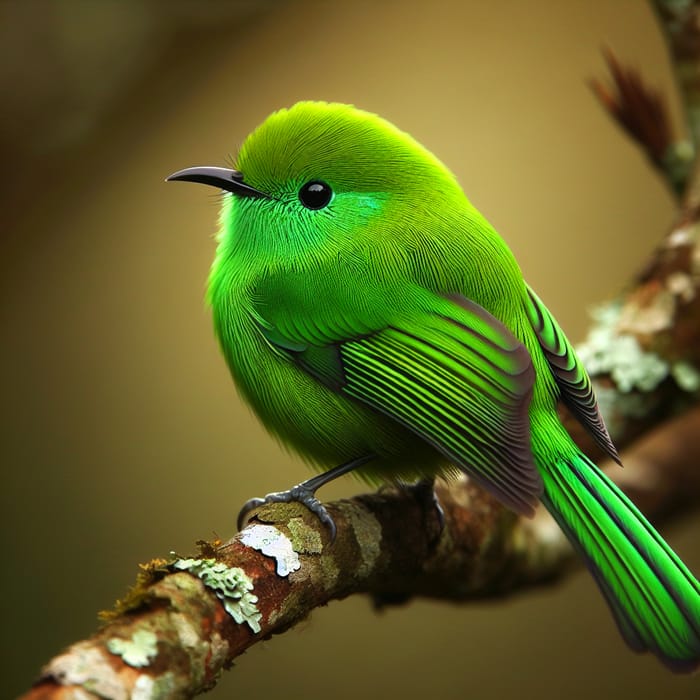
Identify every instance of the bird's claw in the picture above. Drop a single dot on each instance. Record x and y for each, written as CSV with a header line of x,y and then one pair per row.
x,y
424,491
249,505
300,494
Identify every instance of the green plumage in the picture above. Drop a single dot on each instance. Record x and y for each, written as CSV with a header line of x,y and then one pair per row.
x,y
394,321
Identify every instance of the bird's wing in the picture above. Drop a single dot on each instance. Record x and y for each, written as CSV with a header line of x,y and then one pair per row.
x,y
570,374
454,375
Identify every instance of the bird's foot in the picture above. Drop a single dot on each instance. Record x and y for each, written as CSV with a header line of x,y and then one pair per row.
x,y
424,493
300,493
305,493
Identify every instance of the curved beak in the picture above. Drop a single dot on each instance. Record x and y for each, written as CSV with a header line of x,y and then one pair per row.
x,y
223,178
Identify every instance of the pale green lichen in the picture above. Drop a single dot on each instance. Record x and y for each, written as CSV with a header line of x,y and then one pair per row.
x,y
186,632
192,639
305,539
137,651
272,543
623,359
219,649
686,375
230,584
606,351
155,688
636,369
88,667
143,688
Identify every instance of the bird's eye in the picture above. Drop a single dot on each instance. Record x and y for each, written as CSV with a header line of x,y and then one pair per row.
x,y
315,194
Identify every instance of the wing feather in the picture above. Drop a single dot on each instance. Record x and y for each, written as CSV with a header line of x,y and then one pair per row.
x,y
570,374
456,376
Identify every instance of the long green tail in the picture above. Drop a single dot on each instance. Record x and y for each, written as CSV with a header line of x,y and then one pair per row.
x,y
653,596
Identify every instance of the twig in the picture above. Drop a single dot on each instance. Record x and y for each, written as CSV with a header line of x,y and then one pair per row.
x,y
680,25
642,112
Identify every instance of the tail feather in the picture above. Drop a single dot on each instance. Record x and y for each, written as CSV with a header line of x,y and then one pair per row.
x,y
653,596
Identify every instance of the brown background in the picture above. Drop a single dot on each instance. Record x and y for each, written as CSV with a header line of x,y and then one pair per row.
x,y
122,437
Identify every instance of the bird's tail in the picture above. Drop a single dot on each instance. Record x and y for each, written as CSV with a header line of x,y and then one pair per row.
x,y
653,596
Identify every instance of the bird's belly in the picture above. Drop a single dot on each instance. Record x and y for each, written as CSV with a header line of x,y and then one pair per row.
x,y
323,426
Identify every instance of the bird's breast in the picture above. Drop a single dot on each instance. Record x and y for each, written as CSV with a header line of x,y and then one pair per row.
x,y
323,426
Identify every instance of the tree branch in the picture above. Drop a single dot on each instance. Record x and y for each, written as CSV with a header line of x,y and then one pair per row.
x,y
177,630
643,114
680,26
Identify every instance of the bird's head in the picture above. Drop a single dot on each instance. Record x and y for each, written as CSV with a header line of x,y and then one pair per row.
x,y
319,175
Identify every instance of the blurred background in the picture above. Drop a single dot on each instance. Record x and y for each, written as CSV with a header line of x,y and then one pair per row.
x,y
122,437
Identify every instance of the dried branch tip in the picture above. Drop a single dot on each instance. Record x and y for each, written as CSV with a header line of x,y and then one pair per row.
x,y
642,112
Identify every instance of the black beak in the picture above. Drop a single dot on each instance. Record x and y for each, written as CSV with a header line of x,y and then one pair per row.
x,y
223,178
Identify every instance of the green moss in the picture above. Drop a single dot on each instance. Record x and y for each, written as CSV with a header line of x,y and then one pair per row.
x,y
368,533
329,570
140,593
305,539
288,610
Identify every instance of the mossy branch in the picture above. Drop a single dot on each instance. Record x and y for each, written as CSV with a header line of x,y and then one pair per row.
x,y
186,620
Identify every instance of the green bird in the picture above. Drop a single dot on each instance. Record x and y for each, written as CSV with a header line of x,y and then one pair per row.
x,y
377,323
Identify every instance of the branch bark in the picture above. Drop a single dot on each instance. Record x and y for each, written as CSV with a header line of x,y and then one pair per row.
x,y
176,632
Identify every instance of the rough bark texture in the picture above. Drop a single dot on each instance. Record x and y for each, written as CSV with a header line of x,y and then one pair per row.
x,y
187,619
